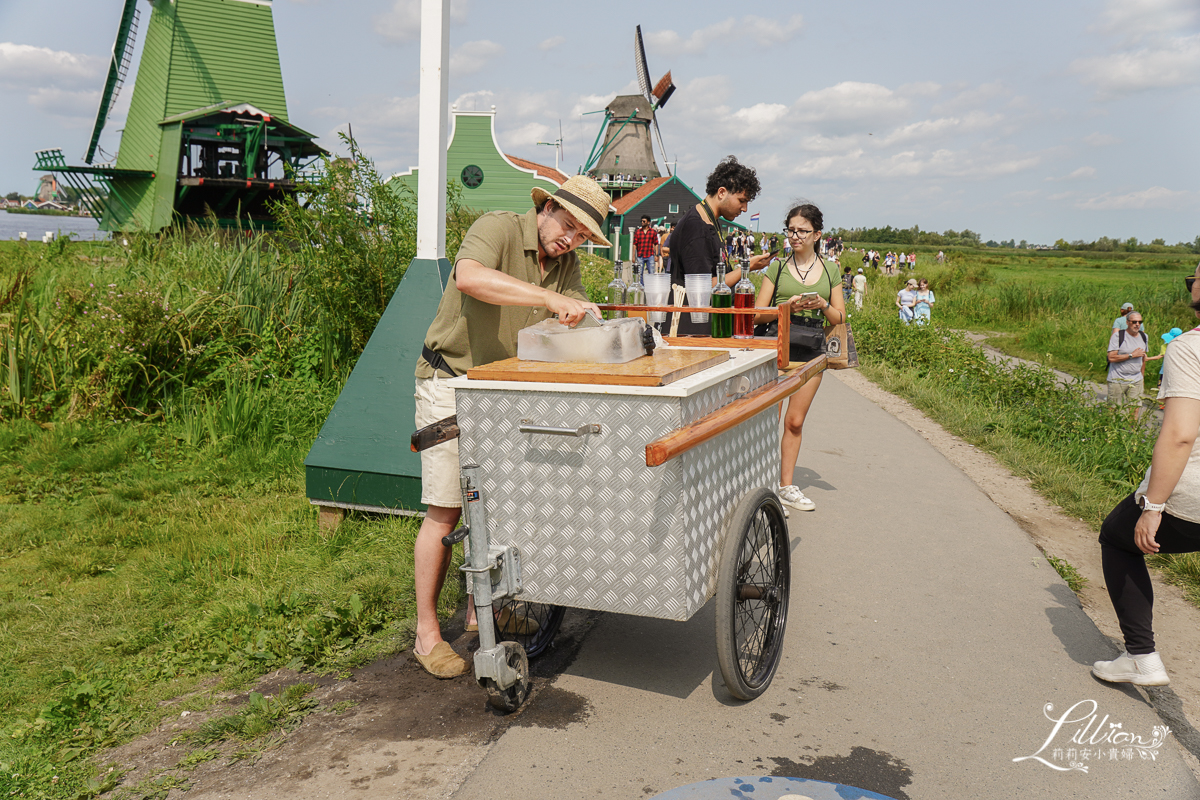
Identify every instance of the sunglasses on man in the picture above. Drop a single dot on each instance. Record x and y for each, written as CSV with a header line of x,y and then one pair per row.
x,y
1188,281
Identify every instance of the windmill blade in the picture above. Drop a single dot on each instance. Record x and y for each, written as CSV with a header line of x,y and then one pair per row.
x,y
661,147
122,55
639,60
663,89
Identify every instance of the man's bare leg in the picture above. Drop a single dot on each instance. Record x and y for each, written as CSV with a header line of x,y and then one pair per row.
x,y
431,560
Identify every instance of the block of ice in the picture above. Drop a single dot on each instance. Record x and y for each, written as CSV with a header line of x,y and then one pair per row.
x,y
615,341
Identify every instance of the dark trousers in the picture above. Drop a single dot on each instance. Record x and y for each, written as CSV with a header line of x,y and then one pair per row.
x,y
1125,571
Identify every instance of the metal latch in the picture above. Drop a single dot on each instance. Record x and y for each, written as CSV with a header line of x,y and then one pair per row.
x,y
503,568
527,426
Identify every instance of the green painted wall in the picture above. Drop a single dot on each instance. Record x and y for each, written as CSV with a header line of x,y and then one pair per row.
x,y
197,53
505,187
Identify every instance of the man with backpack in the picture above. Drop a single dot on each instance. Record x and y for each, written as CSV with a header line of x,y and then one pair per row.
x,y
1127,364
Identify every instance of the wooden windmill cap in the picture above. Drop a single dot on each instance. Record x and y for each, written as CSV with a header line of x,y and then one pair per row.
x,y
586,201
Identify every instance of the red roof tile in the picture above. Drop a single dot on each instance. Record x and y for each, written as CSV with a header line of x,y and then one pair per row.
x,y
550,173
626,202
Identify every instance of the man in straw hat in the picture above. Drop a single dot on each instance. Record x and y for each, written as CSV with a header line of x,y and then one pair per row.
x,y
512,271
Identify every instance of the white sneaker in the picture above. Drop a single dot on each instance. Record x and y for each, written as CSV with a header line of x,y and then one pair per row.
x,y
1142,670
791,495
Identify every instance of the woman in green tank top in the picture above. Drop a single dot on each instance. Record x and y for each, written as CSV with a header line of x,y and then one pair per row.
x,y
807,285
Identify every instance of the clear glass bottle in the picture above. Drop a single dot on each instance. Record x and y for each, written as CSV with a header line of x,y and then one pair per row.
x,y
615,293
743,297
635,294
722,297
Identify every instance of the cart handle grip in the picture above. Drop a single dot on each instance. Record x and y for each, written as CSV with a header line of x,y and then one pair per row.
x,y
680,440
527,426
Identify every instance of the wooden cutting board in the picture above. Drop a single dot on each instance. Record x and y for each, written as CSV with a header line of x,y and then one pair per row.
x,y
665,366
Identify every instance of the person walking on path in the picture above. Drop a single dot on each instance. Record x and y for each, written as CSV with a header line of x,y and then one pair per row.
x,y
860,288
511,271
1127,365
807,284
1119,324
645,245
1161,516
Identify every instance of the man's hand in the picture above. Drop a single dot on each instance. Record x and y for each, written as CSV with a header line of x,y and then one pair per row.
x,y
1138,353
1145,530
760,261
569,310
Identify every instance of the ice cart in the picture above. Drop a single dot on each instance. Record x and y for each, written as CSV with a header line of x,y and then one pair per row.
x,y
642,488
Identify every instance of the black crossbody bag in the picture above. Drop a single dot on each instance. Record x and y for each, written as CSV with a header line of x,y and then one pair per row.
x,y
806,340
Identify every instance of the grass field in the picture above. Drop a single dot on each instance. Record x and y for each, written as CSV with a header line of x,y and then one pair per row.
x,y
1054,308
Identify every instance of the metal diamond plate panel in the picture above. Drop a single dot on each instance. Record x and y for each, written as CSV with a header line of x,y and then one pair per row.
x,y
595,526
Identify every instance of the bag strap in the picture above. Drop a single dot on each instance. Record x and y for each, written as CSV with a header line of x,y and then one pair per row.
x,y
775,283
1120,337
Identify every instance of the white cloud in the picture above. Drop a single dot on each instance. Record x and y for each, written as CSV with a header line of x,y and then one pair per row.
x,y
1079,174
1173,62
1135,19
931,129
1101,139
850,106
1154,197
758,30
64,103
908,164
402,22
25,67
552,42
471,57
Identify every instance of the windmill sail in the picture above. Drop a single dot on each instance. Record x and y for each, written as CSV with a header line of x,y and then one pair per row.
x,y
118,68
639,59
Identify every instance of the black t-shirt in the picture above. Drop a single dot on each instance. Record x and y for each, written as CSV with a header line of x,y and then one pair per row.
x,y
695,247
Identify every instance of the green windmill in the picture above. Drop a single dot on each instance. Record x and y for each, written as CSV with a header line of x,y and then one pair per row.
x,y
207,132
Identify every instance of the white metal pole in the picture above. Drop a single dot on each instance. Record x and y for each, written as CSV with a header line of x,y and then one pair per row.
x,y
431,137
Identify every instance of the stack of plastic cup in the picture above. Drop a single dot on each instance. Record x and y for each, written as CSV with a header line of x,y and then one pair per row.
x,y
658,290
699,293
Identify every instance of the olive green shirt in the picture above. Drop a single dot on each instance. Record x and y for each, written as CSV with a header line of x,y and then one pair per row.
x,y
467,331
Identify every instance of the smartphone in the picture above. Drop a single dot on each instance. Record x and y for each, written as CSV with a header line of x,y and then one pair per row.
x,y
809,295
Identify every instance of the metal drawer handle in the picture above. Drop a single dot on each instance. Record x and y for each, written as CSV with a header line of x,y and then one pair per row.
x,y
527,426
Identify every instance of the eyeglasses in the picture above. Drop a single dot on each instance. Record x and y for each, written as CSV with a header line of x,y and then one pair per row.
x,y
795,233
1188,281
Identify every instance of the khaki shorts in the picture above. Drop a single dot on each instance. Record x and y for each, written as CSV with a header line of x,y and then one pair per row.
x,y
439,464
1125,394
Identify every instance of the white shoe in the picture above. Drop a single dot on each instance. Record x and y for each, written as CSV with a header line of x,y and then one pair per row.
x,y
791,495
1142,670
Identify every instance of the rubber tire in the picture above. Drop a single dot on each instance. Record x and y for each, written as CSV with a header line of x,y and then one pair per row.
x,y
750,631
548,617
510,699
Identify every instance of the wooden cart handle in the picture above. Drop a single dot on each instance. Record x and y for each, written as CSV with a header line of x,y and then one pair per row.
x,y
782,312
679,441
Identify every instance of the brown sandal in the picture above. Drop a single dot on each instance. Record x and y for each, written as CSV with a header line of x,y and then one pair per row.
x,y
442,662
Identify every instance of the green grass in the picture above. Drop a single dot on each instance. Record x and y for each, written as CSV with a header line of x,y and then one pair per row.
x,y
1055,308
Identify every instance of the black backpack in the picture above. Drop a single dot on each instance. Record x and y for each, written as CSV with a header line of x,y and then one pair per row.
x,y
1121,338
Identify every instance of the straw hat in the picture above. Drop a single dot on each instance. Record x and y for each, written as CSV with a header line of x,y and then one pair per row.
x,y
584,198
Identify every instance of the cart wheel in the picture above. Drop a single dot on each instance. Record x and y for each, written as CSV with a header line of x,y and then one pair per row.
x,y
752,594
547,617
510,699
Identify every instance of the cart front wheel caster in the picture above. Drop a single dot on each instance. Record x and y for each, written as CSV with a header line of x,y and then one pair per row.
x,y
753,588
511,698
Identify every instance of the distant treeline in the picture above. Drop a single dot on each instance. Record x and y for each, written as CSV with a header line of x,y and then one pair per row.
x,y
52,212
969,238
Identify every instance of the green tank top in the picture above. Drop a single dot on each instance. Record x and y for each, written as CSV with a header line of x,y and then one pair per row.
x,y
787,287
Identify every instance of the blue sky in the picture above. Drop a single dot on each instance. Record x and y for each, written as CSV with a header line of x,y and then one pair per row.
x,y
1024,120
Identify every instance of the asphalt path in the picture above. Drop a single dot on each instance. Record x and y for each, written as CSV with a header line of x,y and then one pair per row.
x,y
929,644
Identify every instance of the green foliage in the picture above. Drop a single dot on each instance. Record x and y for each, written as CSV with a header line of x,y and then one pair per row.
x,y
1068,573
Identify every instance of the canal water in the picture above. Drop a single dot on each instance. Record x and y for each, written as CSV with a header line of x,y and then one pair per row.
x,y
35,225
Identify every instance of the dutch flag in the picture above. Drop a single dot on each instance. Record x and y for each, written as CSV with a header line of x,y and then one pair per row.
x,y
754,217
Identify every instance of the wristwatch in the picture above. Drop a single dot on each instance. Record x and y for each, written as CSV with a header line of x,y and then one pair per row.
x,y
1148,506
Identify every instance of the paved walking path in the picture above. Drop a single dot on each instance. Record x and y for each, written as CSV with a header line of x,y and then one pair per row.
x,y
928,645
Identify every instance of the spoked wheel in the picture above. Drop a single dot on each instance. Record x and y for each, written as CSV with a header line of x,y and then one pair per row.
x,y
510,699
535,639
752,594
